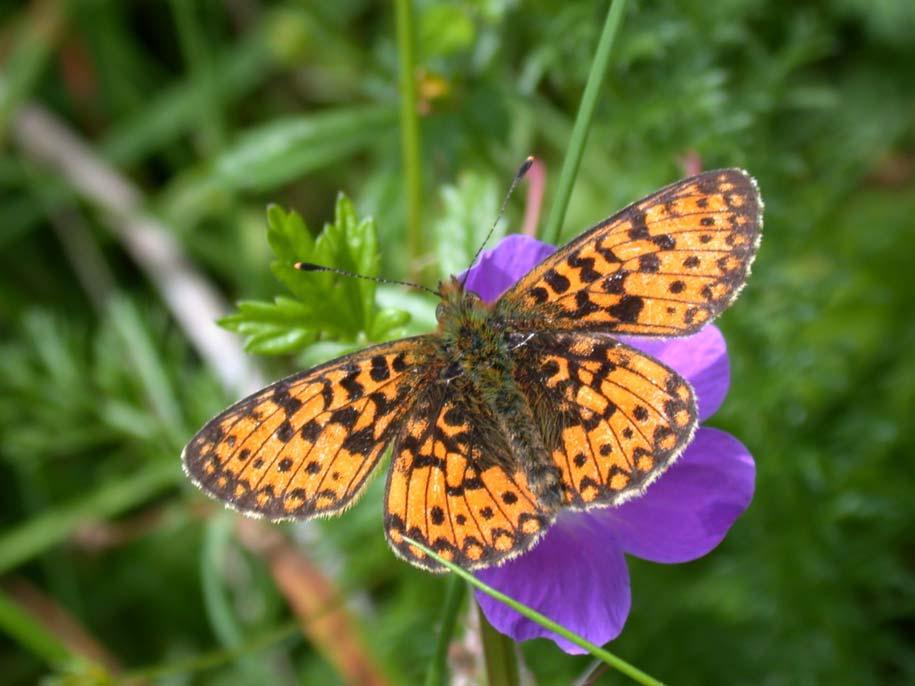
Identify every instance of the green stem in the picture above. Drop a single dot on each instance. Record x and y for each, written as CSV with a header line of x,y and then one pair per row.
x,y
499,655
617,663
553,227
454,598
409,132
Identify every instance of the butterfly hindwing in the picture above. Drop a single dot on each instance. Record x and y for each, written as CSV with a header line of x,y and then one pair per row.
x,y
664,266
614,418
453,488
304,446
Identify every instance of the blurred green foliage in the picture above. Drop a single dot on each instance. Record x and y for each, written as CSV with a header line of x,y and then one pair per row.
x,y
218,109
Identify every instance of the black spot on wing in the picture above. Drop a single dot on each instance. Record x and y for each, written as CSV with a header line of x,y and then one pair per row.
x,y
627,309
639,229
649,263
614,283
559,283
400,363
539,295
360,442
664,241
379,370
353,388
346,416
311,430
585,267
285,431
585,305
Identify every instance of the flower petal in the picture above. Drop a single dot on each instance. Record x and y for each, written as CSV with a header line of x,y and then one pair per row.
x,y
498,269
576,576
702,359
688,511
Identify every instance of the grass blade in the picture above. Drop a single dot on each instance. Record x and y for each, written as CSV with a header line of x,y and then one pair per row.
x,y
605,656
500,655
409,129
454,598
19,625
553,227
23,542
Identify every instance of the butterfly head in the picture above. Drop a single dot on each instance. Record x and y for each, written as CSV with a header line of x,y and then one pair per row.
x,y
458,304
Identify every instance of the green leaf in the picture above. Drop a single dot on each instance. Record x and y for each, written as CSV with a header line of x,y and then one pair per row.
x,y
24,540
324,305
386,320
284,150
470,209
271,328
445,29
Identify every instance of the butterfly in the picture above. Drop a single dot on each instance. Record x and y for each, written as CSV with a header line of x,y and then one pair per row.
x,y
512,411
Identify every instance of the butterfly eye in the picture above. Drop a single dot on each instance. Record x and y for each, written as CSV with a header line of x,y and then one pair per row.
x,y
440,311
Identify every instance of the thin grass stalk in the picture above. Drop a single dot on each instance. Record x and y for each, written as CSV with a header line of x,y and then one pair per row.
x,y
19,625
454,600
410,133
500,655
553,227
612,660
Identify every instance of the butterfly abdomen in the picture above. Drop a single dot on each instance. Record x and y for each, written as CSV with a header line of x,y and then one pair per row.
x,y
510,406
486,361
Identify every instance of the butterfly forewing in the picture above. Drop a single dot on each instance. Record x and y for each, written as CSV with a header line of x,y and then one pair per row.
x,y
664,266
305,445
614,418
453,487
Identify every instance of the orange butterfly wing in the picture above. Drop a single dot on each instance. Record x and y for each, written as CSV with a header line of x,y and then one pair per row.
x,y
454,488
613,418
664,266
304,446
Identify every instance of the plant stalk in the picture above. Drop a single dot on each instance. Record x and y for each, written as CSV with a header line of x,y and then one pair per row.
x,y
454,600
553,228
410,133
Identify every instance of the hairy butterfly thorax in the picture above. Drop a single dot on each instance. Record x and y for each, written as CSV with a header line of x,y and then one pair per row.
x,y
477,353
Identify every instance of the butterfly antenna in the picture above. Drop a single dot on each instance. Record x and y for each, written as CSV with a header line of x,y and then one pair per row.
x,y
522,170
311,267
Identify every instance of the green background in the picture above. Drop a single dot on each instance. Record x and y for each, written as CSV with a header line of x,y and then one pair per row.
x,y
216,109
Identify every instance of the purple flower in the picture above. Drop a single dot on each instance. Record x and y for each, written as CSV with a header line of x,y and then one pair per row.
x,y
577,574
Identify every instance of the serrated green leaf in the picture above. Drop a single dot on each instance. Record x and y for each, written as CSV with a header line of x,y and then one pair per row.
x,y
324,306
279,341
272,328
287,234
